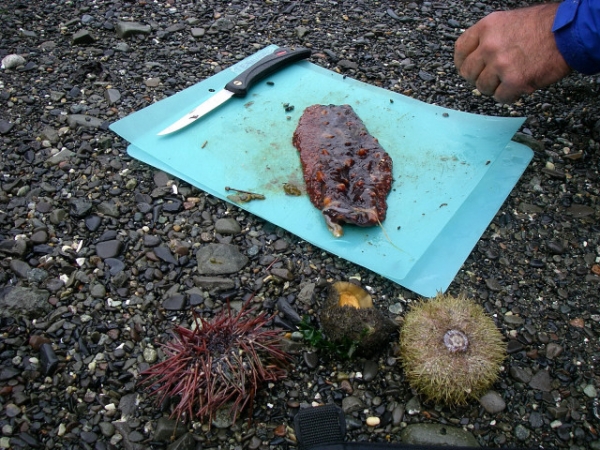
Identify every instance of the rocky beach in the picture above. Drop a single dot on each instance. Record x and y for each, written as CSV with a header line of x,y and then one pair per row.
x,y
102,255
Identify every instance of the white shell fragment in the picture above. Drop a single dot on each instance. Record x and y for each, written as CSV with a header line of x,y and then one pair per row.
x,y
12,61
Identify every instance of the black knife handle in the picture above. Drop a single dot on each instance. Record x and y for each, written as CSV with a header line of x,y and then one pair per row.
x,y
266,66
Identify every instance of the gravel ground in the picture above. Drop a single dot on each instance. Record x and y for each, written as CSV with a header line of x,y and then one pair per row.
x,y
99,256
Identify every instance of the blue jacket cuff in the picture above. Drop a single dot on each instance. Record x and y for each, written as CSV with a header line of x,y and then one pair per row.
x,y
577,32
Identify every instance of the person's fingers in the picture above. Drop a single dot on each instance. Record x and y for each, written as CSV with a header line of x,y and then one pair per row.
x,y
472,67
466,44
488,81
509,93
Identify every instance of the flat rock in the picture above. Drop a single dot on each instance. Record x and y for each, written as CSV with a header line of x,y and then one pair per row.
x,y
128,404
541,381
13,247
227,225
128,29
5,126
174,303
351,404
61,156
436,434
220,259
24,302
83,37
112,96
109,249
83,120
214,283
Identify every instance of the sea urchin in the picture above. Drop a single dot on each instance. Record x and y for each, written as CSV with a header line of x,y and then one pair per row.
x,y
348,316
222,361
451,350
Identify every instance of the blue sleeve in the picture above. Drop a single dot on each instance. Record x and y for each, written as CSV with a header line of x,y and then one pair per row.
x,y
577,32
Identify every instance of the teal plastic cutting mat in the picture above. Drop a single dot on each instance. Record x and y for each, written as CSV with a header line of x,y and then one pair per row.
x,y
452,170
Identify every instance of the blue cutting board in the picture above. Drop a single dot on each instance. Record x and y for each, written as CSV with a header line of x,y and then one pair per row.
x,y
452,170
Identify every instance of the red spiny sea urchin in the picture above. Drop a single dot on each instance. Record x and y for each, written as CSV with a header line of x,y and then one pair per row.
x,y
451,350
221,361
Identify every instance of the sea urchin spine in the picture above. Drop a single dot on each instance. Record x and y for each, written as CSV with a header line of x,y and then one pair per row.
x,y
221,361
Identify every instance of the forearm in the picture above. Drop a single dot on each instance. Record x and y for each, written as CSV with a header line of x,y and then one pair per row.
x,y
577,33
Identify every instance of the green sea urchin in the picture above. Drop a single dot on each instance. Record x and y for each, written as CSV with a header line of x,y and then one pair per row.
x,y
451,350
221,361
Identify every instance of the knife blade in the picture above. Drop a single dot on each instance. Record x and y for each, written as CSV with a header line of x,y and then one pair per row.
x,y
239,86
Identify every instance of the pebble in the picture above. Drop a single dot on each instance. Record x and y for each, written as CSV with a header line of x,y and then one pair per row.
x,y
109,249
373,421
12,61
590,390
370,370
311,359
492,402
129,29
174,303
413,406
351,404
150,355
521,432
541,381
227,226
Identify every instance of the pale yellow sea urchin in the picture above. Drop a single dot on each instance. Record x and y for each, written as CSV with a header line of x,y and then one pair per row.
x,y
451,349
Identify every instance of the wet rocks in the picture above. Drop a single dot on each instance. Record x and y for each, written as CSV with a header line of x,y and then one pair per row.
x,y
101,254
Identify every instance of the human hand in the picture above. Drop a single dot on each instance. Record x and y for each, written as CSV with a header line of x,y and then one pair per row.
x,y
510,53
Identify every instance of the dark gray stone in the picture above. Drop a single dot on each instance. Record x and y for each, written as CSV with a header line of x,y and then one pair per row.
x,y
164,254
5,126
48,359
13,247
83,120
109,208
24,302
370,370
128,404
21,268
112,96
128,29
288,311
541,381
63,155
492,402
83,37
351,404
436,434
227,226
214,283
311,359
174,303
220,259
166,429
109,249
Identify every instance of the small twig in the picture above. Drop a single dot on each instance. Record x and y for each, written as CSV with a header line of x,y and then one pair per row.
x,y
239,191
